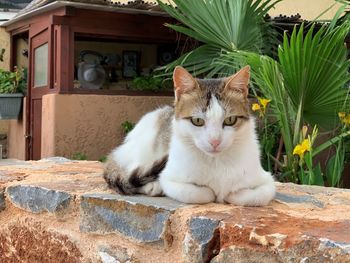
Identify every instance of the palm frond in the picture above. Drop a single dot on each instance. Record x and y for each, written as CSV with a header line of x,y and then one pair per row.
x,y
222,25
315,71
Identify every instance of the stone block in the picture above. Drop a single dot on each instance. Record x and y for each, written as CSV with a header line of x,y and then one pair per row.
x,y
308,251
56,160
115,253
201,242
263,234
141,218
300,199
38,199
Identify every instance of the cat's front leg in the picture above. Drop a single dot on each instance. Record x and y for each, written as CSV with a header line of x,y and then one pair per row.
x,y
258,196
187,192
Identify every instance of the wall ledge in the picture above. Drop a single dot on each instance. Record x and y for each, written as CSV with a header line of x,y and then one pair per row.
x,y
62,210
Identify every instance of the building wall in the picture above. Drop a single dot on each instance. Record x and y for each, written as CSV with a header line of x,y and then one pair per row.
x,y
21,61
90,124
5,43
4,126
16,139
308,9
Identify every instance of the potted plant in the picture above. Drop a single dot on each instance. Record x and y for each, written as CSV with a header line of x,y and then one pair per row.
x,y
12,86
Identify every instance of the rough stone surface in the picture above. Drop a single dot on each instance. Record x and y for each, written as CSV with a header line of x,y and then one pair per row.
x,y
298,199
114,253
56,159
309,251
139,217
303,223
107,258
38,199
31,242
201,242
8,176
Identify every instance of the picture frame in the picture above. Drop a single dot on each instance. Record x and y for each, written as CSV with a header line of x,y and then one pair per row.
x,y
130,63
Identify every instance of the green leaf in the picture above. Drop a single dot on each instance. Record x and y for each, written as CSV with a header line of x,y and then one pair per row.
x,y
315,71
335,167
318,175
223,26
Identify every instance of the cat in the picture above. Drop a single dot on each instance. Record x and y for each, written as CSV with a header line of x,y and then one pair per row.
x,y
202,150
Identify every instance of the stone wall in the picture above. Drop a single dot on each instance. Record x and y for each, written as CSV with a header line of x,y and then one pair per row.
x,y
57,210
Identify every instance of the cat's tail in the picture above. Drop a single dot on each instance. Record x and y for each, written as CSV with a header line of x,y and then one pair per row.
x,y
137,181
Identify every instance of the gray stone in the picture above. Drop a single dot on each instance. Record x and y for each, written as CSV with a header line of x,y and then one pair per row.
x,y
38,199
56,159
107,258
287,198
201,242
115,252
141,218
13,162
2,200
327,243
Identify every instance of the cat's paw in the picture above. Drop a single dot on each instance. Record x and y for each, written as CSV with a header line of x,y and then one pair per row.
x,y
245,197
203,196
151,189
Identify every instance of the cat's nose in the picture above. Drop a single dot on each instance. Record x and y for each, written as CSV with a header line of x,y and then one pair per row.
x,y
215,143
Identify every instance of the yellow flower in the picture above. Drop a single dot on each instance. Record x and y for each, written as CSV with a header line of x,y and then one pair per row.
x,y
344,117
306,145
264,102
301,148
256,107
346,120
298,150
341,114
261,106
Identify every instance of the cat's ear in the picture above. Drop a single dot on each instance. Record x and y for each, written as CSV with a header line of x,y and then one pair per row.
x,y
183,81
239,81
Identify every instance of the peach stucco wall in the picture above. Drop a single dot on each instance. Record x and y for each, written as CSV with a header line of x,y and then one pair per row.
x,y
16,139
5,43
308,9
90,124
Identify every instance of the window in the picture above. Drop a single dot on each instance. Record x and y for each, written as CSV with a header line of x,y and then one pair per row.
x,y
41,66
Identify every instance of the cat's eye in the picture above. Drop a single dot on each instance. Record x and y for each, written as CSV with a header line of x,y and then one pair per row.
x,y
197,121
230,121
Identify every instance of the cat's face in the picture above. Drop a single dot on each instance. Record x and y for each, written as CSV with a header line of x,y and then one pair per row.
x,y
211,113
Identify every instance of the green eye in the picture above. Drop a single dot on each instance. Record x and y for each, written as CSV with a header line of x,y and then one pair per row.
x,y
197,121
230,121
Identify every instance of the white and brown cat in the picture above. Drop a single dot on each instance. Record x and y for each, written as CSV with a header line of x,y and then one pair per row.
x,y
204,149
